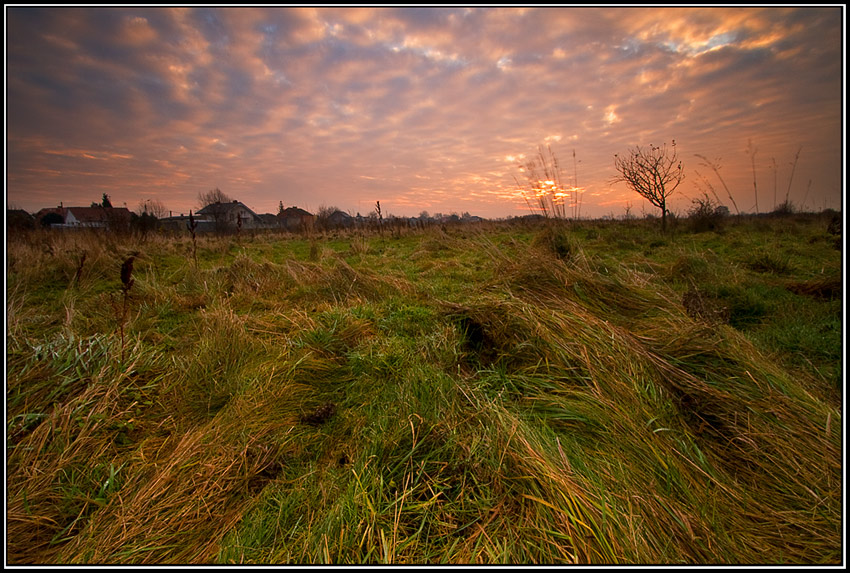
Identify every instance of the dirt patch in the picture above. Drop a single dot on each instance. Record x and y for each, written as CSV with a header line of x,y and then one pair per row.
x,y
320,415
266,475
488,335
824,289
701,307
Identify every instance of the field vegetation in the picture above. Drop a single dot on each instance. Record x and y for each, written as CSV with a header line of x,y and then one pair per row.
x,y
569,392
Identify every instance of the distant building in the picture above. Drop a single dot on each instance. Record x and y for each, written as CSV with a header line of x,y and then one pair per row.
x,y
268,221
180,224
227,216
49,215
295,219
339,219
97,217
85,217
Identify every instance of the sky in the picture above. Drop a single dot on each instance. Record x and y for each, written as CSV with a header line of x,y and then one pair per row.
x,y
423,109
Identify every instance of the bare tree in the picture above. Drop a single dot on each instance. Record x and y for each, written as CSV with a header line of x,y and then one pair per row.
x,y
153,207
216,200
212,197
323,215
653,173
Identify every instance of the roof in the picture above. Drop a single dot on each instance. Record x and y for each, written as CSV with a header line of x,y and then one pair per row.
x,y
99,214
58,210
218,208
293,212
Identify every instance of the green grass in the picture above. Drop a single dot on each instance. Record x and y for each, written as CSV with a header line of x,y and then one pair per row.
x,y
492,395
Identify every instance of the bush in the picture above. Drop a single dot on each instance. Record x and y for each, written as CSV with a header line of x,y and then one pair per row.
x,y
784,209
706,215
834,227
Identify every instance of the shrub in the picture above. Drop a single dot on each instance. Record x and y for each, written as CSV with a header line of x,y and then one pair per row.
x,y
785,208
706,215
834,227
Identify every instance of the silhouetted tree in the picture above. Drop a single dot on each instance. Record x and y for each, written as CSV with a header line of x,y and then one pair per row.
x,y
215,201
143,224
52,219
212,197
17,219
153,207
653,173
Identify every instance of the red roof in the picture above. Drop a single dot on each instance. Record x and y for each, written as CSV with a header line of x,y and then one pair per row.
x,y
58,210
99,214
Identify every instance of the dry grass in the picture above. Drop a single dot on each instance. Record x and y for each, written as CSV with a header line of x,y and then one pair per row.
x,y
521,402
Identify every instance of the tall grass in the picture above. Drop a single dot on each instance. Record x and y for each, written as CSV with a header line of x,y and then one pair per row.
x,y
513,395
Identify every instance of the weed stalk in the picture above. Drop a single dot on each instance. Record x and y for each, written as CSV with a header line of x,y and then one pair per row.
x,y
192,226
127,281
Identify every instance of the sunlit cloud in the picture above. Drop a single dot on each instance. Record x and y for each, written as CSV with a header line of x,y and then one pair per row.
x,y
431,108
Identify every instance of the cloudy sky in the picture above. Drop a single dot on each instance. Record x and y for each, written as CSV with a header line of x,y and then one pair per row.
x,y
418,108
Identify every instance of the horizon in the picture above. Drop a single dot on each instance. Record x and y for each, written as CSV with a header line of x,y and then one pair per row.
x,y
422,109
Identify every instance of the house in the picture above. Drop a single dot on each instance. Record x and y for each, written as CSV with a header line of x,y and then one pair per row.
x,y
339,219
180,223
50,216
97,217
295,219
230,215
268,221
84,217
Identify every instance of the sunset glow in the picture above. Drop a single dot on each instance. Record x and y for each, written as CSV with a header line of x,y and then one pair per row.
x,y
419,108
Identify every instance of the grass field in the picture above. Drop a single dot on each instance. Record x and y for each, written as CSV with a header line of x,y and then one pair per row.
x,y
590,392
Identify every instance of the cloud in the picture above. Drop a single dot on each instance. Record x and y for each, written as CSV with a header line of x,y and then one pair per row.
x,y
317,106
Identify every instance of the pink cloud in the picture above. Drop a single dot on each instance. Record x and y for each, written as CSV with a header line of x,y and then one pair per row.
x,y
318,106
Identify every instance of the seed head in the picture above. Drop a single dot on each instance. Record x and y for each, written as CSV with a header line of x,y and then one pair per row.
x,y
127,272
